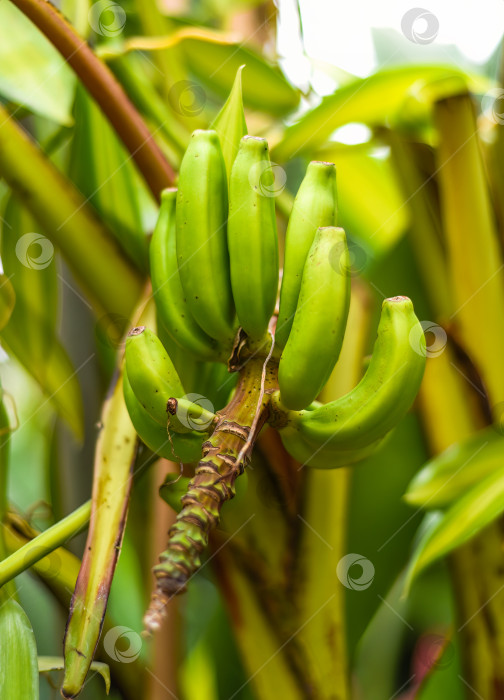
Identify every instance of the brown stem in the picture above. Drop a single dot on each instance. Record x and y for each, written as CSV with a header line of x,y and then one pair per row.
x,y
224,457
108,93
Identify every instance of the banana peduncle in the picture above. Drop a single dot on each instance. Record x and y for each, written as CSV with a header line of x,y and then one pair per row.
x,y
224,457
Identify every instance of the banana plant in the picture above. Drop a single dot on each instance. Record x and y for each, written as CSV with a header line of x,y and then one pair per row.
x,y
241,360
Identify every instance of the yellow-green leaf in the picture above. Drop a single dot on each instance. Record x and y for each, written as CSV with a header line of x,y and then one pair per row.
x,y
32,72
447,476
111,281
470,514
28,261
475,261
376,100
214,58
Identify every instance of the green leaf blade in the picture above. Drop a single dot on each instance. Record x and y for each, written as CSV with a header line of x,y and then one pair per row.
x,y
465,518
18,654
447,476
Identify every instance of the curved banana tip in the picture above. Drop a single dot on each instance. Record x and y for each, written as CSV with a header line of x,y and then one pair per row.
x,y
396,300
138,330
209,134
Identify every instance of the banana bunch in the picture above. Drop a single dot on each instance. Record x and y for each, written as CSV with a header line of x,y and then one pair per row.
x,y
352,427
214,266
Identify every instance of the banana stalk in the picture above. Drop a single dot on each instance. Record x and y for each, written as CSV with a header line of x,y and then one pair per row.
x,y
9,590
474,260
327,491
224,457
475,275
425,228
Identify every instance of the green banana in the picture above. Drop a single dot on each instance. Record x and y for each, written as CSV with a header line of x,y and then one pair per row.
x,y
252,237
316,337
152,375
202,252
167,444
170,299
315,205
382,397
324,456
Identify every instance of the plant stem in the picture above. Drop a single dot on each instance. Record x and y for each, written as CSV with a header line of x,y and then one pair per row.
x,y
46,542
108,93
224,456
475,261
99,264
10,589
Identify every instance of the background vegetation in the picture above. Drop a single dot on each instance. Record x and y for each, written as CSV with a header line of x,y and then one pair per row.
x,y
322,584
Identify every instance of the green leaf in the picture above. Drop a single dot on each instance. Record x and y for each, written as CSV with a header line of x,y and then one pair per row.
x,y
53,370
465,518
56,663
18,654
230,123
111,281
28,260
216,63
103,170
114,456
29,331
214,58
447,476
374,101
32,72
